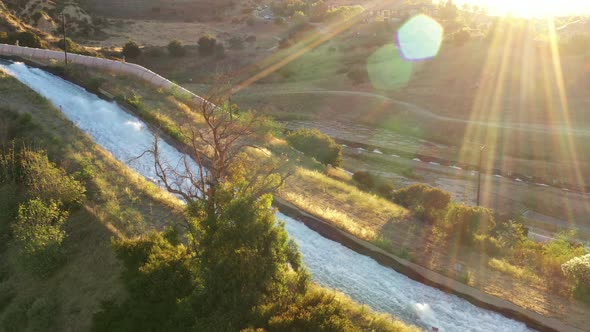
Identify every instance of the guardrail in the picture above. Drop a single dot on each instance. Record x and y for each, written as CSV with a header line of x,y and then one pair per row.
x,y
112,65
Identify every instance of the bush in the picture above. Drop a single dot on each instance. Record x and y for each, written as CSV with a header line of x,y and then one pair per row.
x,y
385,190
175,48
358,75
38,235
72,47
45,180
461,37
15,318
467,221
279,20
364,179
432,200
220,51
41,315
25,38
315,144
207,45
131,50
6,295
511,234
4,37
236,43
578,270
299,17
154,52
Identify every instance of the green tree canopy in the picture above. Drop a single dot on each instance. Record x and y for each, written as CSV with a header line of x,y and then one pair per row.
x,y
316,144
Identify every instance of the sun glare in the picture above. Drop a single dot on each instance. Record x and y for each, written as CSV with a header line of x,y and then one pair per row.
x,y
532,8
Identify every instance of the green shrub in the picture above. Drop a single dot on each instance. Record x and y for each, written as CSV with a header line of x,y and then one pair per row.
x,y
464,222
364,180
236,43
154,52
4,37
385,190
511,233
488,244
43,179
131,50
6,295
358,75
15,318
279,20
426,202
317,311
219,51
41,315
38,236
207,45
71,45
315,144
299,17
37,16
175,48
25,38
461,37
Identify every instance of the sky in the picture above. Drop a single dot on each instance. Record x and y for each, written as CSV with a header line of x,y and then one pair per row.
x,y
533,8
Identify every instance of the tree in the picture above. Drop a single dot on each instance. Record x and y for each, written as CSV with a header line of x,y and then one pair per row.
x,y
160,276
242,253
207,45
244,256
448,10
131,50
175,48
39,235
317,145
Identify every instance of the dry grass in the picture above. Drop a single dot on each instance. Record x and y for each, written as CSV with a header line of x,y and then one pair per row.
x,y
514,271
342,204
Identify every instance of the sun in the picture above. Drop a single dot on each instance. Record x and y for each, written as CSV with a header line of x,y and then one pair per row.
x,y
533,8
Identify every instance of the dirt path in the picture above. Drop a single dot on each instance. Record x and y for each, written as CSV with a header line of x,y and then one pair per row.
x,y
536,128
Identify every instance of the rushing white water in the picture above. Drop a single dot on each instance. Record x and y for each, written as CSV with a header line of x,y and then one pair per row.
x,y
330,263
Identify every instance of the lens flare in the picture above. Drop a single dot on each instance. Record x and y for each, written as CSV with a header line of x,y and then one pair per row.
x,y
420,38
387,70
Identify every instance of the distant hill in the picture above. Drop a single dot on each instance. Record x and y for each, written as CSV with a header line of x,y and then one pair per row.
x,y
183,10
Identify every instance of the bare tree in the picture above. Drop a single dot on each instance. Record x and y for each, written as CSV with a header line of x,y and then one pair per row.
x,y
215,156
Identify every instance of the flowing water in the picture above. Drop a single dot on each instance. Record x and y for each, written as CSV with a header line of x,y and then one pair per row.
x,y
330,263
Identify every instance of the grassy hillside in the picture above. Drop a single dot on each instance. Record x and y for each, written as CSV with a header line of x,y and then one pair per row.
x,y
119,203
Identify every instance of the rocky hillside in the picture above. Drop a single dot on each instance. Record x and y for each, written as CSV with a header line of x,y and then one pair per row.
x,y
46,16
